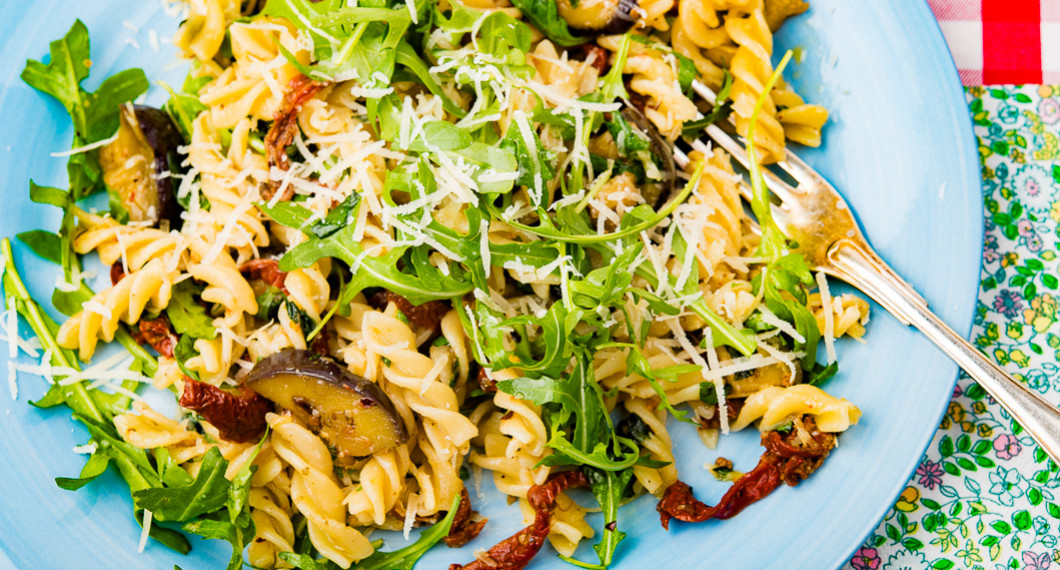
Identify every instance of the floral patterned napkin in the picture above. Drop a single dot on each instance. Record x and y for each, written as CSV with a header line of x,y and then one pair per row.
x,y
985,496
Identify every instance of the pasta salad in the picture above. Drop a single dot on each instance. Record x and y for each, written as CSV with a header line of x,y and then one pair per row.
x,y
377,250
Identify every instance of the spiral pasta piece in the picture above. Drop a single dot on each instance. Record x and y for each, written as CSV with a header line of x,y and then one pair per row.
x,y
273,530
147,429
776,406
147,289
656,79
316,493
133,246
751,68
203,32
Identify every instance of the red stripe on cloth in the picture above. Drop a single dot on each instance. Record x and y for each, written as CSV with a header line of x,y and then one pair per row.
x,y
971,76
1012,43
956,9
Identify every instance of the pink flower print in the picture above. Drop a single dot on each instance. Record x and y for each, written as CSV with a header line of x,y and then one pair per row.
x,y
1032,188
1035,243
1049,110
1007,446
865,559
1025,227
929,474
1032,561
1008,303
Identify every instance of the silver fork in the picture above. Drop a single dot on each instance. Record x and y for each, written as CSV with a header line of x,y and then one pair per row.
x,y
814,215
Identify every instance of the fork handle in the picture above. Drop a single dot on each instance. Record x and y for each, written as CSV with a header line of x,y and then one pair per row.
x,y
866,271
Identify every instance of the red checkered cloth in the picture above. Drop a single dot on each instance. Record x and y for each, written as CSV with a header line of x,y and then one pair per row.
x,y
1002,41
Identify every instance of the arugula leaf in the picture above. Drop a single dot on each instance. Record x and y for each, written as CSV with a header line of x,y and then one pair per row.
x,y
544,15
183,352
95,466
637,363
237,527
187,316
94,115
75,395
720,112
44,243
609,488
819,373
535,168
269,303
207,493
709,395
184,106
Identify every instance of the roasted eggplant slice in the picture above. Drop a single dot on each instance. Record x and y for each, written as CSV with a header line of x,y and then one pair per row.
x,y
139,165
600,16
350,413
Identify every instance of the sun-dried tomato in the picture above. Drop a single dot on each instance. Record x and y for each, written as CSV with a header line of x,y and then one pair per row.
x,y
464,530
158,334
117,271
268,270
285,128
487,384
598,55
798,459
787,458
428,315
732,405
516,551
237,418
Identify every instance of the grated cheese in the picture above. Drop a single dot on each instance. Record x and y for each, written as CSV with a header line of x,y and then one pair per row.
x,y
86,449
410,508
146,532
86,148
781,324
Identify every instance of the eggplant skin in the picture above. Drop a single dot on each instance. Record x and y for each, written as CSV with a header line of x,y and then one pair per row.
x,y
604,17
353,416
140,163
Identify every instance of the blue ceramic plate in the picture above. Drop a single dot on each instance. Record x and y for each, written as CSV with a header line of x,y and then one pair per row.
x,y
899,145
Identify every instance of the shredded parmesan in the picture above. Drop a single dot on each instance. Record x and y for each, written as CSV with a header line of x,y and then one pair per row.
x,y
781,324
86,148
146,532
410,512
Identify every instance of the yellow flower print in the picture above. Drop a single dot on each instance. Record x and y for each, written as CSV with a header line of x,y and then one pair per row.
x,y
1054,211
955,412
1010,259
967,427
1050,147
1019,358
1014,330
978,407
907,500
1017,156
1044,91
1042,313
985,430
1001,356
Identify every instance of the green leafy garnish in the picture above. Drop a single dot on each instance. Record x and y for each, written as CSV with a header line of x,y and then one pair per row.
x,y
94,115
185,313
